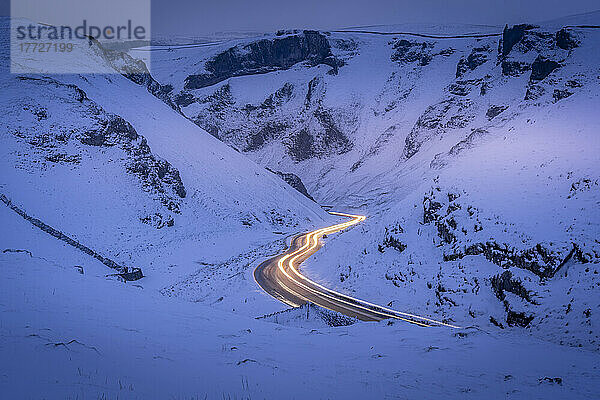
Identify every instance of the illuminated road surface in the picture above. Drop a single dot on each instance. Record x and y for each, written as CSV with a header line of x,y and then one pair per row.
x,y
280,277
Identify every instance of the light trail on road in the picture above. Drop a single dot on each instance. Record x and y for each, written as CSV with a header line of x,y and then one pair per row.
x,y
280,277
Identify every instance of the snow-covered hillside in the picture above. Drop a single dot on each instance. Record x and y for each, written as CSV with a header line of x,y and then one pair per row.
x,y
125,174
475,159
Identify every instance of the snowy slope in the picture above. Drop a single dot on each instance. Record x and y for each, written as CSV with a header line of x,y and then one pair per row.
x,y
126,175
505,122
68,335
479,179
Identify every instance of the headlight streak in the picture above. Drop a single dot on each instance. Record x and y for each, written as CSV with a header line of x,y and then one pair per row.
x,y
311,243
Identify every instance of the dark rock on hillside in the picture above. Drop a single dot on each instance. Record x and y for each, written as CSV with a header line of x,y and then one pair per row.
x,y
560,94
514,68
463,88
514,318
157,175
302,146
324,138
512,36
565,40
264,56
294,181
534,92
477,57
506,283
436,120
268,132
184,99
136,71
494,111
391,241
541,68
408,52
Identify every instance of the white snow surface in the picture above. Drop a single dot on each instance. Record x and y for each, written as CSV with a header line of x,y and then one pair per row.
x,y
527,176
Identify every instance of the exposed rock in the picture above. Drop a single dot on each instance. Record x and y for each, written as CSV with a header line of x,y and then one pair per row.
x,y
541,68
560,94
158,220
270,131
514,318
565,40
294,181
136,71
157,176
408,52
514,68
301,147
506,283
392,241
477,57
463,88
534,92
494,111
265,56
435,121
538,259
512,36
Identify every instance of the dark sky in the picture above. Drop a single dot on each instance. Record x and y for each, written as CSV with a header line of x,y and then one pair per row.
x,y
205,16
181,16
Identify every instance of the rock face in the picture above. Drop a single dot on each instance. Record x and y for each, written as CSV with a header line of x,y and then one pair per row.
x,y
541,68
157,175
477,57
294,181
407,52
512,36
265,56
494,111
565,40
136,71
102,130
435,121
514,68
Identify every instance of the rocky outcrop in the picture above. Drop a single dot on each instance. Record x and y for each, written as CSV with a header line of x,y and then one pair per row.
x,y
103,130
435,121
294,181
494,111
390,239
157,176
544,260
514,68
565,39
126,273
477,57
511,36
505,282
265,56
541,68
136,71
406,51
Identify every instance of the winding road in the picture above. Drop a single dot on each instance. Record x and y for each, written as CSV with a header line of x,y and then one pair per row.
x,y
279,276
